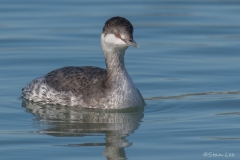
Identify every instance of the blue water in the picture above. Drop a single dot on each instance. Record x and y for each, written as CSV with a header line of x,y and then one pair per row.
x,y
187,69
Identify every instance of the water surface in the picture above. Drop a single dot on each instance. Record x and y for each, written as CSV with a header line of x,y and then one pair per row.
x,y
187,69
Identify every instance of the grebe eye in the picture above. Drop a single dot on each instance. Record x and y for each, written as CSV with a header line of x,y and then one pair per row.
x,y
117,35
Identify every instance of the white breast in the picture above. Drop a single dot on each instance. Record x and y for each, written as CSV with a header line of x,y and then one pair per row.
x,y
125,95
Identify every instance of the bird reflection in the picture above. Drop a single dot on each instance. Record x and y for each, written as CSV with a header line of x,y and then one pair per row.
x,y
73,121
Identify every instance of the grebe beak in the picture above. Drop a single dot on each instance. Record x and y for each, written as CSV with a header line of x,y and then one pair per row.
x,y
131,42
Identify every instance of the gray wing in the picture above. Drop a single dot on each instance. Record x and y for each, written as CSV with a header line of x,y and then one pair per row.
x,y
77,79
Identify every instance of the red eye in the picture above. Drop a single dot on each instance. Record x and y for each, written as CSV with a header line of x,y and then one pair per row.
x,y
117,35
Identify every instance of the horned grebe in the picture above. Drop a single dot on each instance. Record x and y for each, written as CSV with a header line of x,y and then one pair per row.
x,y
93,87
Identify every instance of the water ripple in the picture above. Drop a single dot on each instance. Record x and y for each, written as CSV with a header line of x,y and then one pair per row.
x,y
183,96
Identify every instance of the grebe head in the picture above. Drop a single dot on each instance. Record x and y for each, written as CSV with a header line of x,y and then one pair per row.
x,y
117,34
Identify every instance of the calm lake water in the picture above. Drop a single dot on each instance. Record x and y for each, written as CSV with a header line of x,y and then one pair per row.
x,y
187,69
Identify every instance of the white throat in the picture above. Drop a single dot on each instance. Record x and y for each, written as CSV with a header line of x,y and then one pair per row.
x,y
112,44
